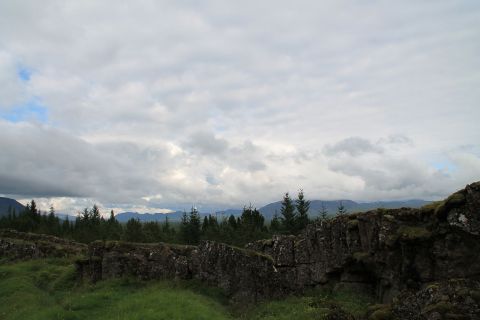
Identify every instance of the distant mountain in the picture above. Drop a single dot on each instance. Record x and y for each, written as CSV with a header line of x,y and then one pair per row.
x,y
63,216
331,206
269,210
172,216
6,203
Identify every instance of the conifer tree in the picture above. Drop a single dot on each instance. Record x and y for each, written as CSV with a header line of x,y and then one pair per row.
x,y
341,210
288,215
194,226
184,228
133,231
323,213
302,207
275,224
232,222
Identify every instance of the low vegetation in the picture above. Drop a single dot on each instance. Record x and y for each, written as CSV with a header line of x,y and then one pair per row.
x,y
47,289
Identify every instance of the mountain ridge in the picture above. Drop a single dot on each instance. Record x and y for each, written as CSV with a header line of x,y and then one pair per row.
x,y
269,210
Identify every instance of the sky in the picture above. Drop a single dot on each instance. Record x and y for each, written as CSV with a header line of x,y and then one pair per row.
x,y
153,106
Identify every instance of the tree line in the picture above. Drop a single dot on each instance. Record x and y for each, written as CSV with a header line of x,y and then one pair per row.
x,y
90,225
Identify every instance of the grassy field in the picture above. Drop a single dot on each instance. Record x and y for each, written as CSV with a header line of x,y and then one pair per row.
x,y
46,289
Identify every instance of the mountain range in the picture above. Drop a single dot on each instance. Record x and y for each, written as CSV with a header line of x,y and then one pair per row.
x,y
6,203
270,209
267,211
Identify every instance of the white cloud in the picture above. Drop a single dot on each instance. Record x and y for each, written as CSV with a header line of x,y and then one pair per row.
x,y
227,103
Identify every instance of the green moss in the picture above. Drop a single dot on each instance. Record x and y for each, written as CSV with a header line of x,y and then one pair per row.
x,y
433,286
352,224
441,307
380,312
432,206
413,233
252,253
389,217
456,199
361,256
475,294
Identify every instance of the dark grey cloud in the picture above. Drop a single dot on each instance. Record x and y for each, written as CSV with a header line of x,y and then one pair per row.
x,y
207,144
353,146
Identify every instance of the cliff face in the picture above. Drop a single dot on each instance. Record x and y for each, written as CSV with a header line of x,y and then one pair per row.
x,y
384,251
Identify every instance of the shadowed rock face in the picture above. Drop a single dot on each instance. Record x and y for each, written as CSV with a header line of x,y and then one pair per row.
x,y
243,274
384,251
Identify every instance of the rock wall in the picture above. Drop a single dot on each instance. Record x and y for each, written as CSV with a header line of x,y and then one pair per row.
x,y
243,274
382,252
16,245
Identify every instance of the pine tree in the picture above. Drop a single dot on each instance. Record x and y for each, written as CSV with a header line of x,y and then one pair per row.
x,y
288,215
113,228
195,225
302,206
275,224
184,228
232,222
133,231
341,210
205,224
323,213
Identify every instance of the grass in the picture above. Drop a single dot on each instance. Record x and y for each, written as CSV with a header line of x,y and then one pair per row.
x,y
316,304
47,289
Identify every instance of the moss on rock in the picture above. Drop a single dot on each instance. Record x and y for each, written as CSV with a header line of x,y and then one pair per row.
x,y
413,233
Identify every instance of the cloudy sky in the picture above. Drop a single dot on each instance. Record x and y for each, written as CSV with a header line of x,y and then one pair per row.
x,y
144,105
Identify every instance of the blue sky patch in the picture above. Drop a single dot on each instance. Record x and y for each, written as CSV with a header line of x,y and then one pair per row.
x,y
32,110
444,165
24,73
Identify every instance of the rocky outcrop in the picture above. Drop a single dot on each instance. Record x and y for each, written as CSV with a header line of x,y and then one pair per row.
x,y
243,274
452,299
384,251
16,245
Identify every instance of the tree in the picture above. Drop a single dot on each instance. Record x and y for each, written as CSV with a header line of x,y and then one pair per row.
x,y
275,224
302,206
341,210
288,215
133,231
251,226
232,222
195,225
151,231
323,213
167,231
184,228
113,227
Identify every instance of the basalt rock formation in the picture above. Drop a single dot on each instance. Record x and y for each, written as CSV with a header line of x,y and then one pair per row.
x,y
384,251
16,245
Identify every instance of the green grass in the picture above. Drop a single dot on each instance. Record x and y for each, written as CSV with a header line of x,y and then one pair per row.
x,y
316,304
47,289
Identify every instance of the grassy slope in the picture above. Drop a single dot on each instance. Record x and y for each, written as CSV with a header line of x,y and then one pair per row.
x,y
46,289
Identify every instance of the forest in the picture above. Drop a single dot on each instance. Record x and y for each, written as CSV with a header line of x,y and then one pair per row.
x,y
91,225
